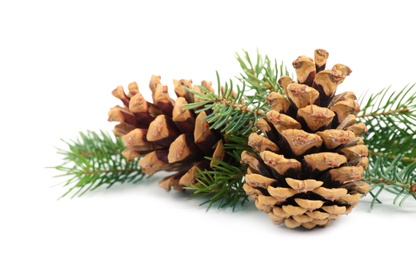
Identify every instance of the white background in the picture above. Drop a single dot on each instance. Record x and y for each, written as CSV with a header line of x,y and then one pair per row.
x,y
59,62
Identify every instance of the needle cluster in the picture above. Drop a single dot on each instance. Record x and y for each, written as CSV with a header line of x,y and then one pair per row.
x,y
94,160
390,117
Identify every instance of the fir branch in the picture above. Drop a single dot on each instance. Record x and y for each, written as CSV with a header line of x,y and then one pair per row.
x,y
391,121
227,112
221,185
392,176
384,113
236,108
94,160
262,76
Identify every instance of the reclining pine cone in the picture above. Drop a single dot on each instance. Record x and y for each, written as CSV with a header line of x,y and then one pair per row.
x,y
163,134
308,159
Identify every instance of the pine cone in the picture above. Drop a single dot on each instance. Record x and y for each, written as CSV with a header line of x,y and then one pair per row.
x,y
307,160
166,136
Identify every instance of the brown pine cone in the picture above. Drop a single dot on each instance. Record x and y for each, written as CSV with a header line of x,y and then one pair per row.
x,y
308,159
166,136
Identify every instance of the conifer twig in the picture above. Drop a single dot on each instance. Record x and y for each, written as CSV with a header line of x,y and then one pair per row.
x,y
235,109
222,185
229,114
94,160
391,121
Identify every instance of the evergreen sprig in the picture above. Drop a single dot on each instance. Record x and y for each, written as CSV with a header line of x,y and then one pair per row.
x,y
392,175
390,117
222,185
94,160
237,107
261,77
234,110
228,112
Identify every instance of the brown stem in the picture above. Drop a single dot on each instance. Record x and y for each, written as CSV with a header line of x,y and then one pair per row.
x,y
405,158
396,111
410,187
87,154
110,171
243,108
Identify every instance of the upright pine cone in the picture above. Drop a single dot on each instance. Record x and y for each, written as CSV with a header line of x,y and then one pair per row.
x,y
307,161
166,136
